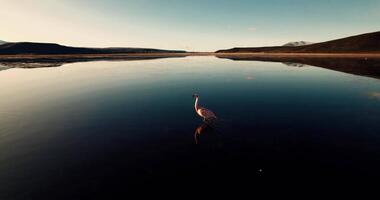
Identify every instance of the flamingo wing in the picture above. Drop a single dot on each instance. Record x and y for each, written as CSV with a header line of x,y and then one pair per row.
x,y
206,113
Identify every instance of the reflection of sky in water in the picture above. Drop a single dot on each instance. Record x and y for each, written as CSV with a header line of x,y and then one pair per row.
x,y
71,115
82,89
77,91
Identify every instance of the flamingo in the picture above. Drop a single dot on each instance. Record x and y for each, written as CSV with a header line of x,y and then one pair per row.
x,y
205,113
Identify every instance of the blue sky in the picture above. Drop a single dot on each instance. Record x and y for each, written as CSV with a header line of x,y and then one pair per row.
x,y
202,25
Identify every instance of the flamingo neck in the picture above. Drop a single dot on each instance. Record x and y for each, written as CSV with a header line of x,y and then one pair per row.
x,y
196,104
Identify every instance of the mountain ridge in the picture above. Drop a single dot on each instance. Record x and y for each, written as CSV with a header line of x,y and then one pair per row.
x,y
363,43
36,48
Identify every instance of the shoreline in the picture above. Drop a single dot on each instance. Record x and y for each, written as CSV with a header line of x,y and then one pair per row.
x,y
72,57
54,59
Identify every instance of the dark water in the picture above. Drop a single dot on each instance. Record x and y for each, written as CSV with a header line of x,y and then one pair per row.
x,y
100,128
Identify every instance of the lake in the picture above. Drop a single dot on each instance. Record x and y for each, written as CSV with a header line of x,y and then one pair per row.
x,y
91,129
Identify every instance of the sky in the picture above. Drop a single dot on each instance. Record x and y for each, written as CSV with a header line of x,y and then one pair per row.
x,y
193,25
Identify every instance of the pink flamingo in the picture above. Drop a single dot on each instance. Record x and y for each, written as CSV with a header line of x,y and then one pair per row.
x,y
205,113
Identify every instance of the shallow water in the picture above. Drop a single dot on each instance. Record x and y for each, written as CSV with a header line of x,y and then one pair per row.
x,y
95,128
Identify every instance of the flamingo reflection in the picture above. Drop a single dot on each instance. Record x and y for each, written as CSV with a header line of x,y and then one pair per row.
x,y
201,129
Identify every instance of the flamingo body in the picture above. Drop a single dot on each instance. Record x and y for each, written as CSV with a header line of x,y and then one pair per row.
x,y
205,113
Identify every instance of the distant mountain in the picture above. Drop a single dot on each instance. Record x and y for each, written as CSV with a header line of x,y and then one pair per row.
x,y
2,42
51,48
365,43
296,44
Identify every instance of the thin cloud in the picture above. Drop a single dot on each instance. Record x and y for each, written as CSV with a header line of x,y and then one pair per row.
x,y
252,29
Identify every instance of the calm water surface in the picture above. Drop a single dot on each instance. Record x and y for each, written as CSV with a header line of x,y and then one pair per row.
x,y
99,128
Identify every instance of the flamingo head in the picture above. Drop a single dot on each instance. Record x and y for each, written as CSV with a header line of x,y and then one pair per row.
x,y
195,95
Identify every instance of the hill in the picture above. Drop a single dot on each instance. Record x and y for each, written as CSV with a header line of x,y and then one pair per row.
x,y
364,43
51,48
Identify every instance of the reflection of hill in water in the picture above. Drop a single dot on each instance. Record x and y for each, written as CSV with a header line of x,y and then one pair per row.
x,y
358,66
8,65
3,67
57,61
